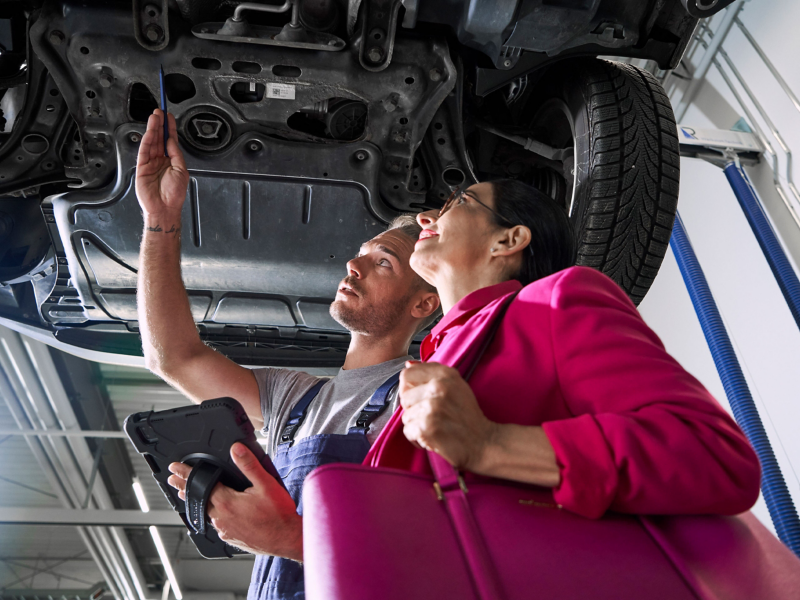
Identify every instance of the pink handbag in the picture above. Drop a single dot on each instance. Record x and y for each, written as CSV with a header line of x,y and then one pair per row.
x,y
395,535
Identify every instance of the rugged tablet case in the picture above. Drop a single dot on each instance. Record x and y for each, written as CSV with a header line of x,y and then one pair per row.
x,y
190,434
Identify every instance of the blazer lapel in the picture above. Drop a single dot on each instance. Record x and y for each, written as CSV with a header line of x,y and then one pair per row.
x,y
460,348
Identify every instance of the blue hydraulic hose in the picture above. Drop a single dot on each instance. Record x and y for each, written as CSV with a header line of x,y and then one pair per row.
x,y
776,494
770,246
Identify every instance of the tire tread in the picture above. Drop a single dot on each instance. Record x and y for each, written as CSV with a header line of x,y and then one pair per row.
x,y
635,170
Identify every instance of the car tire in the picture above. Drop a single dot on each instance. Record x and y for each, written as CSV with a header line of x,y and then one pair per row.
x,y
622,180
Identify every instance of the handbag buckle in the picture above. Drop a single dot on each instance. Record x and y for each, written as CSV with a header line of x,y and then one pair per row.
x,y
440,494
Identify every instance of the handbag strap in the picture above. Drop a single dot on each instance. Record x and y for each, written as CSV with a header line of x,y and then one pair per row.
x,y
446,476
451,489
488,338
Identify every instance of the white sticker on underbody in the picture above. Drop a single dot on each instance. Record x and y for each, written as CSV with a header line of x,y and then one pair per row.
x,y
284,91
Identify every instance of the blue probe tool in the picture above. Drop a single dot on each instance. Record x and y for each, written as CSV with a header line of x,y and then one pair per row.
x,y
164,108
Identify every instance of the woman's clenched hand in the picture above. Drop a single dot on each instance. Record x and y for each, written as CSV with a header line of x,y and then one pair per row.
x,y
441,414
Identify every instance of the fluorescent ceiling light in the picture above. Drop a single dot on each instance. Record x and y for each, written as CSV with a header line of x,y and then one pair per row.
x,y
162,553
165,591
137,489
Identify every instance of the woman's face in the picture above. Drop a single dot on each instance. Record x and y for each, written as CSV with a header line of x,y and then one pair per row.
x,y
460,241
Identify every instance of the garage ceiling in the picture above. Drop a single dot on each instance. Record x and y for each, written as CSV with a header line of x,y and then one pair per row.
x,y
43,387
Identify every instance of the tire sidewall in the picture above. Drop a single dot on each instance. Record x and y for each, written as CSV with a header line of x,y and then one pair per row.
x,y
577,101
573,100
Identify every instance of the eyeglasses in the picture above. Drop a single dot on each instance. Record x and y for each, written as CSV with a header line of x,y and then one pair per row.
x,y
457,194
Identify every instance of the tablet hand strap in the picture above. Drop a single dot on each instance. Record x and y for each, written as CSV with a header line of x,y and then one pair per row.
x,y
202,479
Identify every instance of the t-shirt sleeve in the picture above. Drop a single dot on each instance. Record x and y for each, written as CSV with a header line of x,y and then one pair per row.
x,y
646,436
264,380
277,388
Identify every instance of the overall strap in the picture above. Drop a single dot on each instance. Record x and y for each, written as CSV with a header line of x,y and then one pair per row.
x,y
376,405
298,414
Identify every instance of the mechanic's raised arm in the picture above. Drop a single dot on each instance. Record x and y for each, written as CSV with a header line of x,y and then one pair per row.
x,y
172,347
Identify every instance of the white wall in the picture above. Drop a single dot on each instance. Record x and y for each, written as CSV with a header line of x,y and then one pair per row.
x,y
764,334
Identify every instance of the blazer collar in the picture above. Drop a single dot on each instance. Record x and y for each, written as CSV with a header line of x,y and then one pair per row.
x,y
473,302
465,309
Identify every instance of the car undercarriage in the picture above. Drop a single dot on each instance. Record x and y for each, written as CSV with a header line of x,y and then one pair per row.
x,y
307,127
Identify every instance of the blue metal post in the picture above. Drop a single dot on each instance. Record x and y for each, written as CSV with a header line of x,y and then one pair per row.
x,y
762,229
779,501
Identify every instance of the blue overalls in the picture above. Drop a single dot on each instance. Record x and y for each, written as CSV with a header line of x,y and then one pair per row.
x,y
281,578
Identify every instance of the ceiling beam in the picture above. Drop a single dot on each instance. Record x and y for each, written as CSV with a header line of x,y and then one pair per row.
x,y
69,516
79,433
97,591
84,433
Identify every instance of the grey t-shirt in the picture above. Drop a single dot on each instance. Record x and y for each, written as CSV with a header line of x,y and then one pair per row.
x,y
335,408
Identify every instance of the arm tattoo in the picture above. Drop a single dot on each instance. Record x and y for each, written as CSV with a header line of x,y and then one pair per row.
x,y
173,230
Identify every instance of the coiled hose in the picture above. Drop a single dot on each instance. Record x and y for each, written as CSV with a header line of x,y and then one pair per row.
x,y
776,494
762,229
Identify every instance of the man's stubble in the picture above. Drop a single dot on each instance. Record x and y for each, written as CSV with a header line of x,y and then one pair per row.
x,y
369,319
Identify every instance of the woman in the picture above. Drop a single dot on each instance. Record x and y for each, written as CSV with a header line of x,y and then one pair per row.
x,y
575,392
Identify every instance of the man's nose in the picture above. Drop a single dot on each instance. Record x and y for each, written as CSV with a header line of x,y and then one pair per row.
x,y
427,218
353,268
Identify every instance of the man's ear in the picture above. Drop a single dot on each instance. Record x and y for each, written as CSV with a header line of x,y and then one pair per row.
x,y
515,239
427,304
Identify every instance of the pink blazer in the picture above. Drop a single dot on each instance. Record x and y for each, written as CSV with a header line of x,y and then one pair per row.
x,y
632,431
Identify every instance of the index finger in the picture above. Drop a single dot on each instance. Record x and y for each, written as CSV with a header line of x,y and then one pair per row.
x,y
175,155
151,140
417,373
180,469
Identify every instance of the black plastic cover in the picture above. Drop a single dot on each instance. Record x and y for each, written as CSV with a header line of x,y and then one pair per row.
x,y
190,434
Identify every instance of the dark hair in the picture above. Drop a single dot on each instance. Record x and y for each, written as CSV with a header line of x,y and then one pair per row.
x,y
552,245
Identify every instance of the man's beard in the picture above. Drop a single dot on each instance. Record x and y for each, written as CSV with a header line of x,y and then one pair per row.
x,y
368,319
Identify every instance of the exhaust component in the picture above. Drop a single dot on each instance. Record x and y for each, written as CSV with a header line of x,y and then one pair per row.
x,y
291,35
319,15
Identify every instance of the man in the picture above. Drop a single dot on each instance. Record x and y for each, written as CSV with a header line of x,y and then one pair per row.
x,y
381,301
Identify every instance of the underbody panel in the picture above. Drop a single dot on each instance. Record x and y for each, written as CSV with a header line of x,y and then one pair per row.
x,y
306,128
269,249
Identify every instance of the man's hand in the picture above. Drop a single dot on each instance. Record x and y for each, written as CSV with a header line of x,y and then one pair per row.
x,y
441,414
161,181
261,520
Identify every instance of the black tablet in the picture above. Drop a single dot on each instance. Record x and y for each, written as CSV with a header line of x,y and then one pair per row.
x,y
200,435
